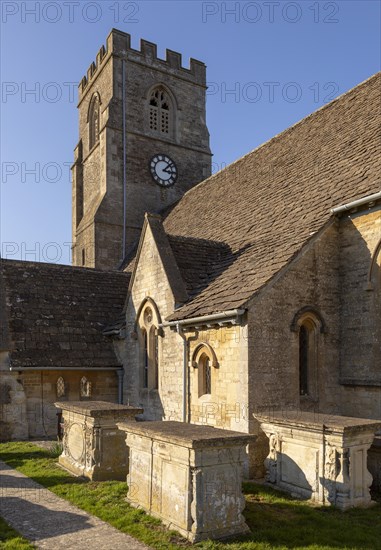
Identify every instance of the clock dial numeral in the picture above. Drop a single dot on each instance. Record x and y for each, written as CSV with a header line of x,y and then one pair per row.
x,y
163,170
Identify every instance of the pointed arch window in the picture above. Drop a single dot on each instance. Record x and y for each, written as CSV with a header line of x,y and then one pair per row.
x,y
145,358
154,347
204,359
308,324
206,382
304,359
161,112
374,273
148,323
94,121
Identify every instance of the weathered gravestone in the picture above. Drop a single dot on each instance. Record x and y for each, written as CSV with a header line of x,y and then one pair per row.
x,y
93,446
320,457
189,476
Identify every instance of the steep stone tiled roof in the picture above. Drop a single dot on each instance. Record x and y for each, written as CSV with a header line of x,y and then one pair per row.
x,y
266,206
54,314
200,261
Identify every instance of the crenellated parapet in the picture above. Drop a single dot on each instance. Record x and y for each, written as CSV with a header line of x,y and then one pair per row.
x,y
133,105
119,45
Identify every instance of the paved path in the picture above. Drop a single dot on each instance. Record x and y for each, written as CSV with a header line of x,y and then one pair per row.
x,y
52,522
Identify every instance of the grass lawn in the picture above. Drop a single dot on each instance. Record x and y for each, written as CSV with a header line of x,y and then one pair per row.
x,y
10,539
276,520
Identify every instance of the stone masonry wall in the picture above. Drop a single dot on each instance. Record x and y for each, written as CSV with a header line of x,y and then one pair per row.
x,y
313,281
331,276
226,407
360,356
103,172
31,411
93,163
360,351
273,352
13,423
151,281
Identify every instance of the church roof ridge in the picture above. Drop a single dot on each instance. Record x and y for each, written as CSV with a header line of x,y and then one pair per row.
x,y
50,265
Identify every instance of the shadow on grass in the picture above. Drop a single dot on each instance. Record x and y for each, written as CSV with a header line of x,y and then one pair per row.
x,y
15,459
278,519
32,462
52,480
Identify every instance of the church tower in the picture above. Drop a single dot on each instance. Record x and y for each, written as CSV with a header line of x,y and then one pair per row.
x,y
143,143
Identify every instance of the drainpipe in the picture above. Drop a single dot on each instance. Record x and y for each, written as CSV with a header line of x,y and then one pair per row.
x,y
180,325
120,373
185,357
190,338
124,158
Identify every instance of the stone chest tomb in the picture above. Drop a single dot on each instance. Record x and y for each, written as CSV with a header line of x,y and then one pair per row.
x,y
93,446
189,476
320,457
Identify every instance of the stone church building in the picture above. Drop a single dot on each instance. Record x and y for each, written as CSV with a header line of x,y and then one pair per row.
x,y
202,298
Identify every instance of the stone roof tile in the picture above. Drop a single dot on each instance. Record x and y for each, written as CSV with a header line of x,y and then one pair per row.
x,y
54,314
265,207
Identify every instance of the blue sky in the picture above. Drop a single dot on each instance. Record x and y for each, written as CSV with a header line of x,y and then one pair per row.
x,y
270,63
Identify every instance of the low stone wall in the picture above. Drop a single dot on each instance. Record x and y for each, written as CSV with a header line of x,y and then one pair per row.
x,y
93,446
320,457
189,476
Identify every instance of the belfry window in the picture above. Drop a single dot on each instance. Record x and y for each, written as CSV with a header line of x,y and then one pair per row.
x,y
148,321
160,111
94,114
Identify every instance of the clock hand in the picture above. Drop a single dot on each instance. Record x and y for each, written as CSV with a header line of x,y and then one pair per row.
x,y
168,169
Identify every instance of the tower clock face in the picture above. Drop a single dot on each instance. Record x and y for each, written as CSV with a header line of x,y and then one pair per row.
x,y
163,170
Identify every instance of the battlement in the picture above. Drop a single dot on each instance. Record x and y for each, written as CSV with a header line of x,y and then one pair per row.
x,y
119,44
